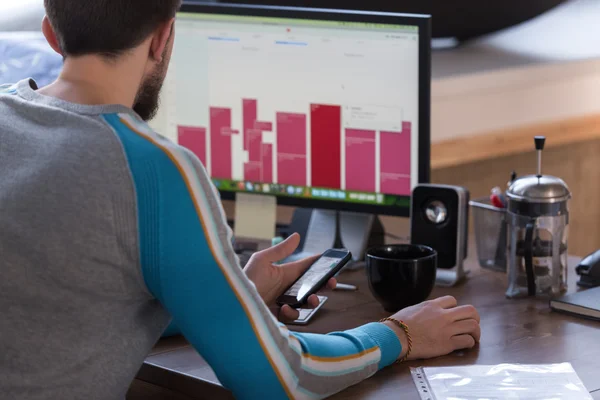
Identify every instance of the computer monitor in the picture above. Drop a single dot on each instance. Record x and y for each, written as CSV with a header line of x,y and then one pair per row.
x,y
321,108
324,109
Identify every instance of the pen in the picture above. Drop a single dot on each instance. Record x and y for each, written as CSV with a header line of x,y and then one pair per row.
x,y
497,198
346,287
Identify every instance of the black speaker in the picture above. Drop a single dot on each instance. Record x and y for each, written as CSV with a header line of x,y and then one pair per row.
x,y
439,218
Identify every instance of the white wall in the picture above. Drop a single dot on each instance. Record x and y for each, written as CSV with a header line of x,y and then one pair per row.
x,y
21,15
545,69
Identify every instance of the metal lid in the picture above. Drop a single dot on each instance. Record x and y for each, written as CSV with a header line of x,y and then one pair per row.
x,y
538,189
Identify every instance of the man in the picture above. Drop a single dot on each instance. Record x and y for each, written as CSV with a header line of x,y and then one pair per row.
x,y
108,232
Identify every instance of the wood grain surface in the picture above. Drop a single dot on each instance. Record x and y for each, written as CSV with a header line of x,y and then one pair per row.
x,y
492,145
513,331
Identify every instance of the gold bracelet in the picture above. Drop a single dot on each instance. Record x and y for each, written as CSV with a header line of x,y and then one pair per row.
x,y
404,327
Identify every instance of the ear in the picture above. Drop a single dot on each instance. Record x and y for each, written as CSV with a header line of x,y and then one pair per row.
x,y
50,35
160,40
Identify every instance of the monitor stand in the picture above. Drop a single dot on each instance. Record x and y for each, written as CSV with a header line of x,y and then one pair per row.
x,y
340,229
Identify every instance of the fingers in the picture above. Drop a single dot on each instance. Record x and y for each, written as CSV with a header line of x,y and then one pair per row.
x,y
287,313
331,284
462,342
464,312
280,250
467,327
446,302
312,301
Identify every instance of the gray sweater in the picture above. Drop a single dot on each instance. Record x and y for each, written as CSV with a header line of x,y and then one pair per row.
x,y
107,232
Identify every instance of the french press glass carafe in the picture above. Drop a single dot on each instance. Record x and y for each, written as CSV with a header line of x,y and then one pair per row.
x,y
538,218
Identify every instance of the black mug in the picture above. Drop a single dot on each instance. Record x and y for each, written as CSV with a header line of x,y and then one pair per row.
x,y
401,275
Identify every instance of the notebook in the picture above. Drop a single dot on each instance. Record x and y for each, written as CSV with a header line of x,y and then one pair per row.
x,y
584,304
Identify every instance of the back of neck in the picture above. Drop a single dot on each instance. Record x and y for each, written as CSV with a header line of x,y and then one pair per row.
x,y
91,80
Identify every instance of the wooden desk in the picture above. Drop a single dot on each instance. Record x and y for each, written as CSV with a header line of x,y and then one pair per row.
x,y
515,331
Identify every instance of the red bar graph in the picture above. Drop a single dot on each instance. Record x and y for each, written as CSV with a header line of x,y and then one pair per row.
x,y
249,111
287,157
263,126
267,163
395,161
227,131
252,171
360,160
220,144
253,144
325,136
255,168
193,138
291,148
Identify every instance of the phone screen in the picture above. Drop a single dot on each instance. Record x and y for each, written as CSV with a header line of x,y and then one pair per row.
x,y
312,276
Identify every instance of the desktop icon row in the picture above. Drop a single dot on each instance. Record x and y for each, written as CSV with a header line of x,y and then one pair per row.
x,y
272,188
291,190
329,194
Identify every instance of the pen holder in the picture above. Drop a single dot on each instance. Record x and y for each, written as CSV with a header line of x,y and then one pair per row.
x,y
490,234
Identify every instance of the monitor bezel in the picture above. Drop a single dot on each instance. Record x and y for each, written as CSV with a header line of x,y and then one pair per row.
x,y
423,22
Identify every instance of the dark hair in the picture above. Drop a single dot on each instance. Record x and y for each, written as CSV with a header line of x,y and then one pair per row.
x,y
107,27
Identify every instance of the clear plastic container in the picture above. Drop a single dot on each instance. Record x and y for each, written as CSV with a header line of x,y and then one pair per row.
x,y
502,381
490,234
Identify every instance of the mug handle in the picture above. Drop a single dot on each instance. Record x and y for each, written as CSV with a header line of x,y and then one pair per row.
x,y
529,257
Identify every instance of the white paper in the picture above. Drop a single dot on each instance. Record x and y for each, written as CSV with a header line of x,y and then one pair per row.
x,y
255,216
500,382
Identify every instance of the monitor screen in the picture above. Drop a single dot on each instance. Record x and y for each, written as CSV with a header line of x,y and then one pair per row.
x,y
306,109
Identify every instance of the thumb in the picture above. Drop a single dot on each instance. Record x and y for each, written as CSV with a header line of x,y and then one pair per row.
x,y
283,249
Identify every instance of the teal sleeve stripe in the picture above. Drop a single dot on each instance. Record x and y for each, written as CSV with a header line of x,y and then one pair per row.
x,y
335,345
354,342
384,338
171,330
189,265
181,271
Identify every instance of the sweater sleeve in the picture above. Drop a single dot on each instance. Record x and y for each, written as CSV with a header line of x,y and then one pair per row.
x,y
189,265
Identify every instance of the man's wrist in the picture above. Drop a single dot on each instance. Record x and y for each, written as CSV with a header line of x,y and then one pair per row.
x,y
401,334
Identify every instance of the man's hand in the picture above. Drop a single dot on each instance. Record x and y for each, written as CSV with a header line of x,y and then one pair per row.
x,y
271,280
437,327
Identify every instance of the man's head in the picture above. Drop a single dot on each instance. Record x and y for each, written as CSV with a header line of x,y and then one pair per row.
x,y
113,30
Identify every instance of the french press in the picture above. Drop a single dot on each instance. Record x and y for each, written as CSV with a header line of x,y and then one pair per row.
x,y
538,218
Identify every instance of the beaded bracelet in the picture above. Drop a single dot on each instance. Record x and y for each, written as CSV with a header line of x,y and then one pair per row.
x,y
404,327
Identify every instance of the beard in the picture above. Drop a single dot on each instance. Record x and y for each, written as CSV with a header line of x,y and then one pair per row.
x,y
148,95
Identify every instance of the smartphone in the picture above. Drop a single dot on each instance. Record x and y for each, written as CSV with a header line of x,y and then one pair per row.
x,y
306,314
315,277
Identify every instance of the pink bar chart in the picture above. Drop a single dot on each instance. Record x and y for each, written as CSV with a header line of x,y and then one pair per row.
x,y
193,138
267,163
360,160
291,148
395,161
220,143
249,111
253,168
366,160
263,126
